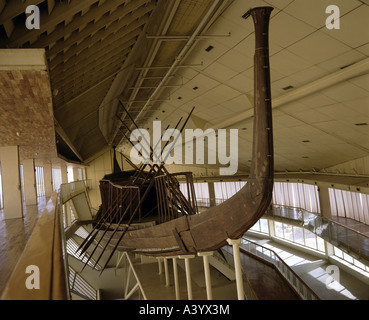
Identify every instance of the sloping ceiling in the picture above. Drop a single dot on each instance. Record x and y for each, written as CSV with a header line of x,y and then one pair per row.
x,y
139,54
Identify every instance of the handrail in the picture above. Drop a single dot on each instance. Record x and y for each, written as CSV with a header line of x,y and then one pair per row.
x,y
303,290
329,230
81,287
40,272
69,190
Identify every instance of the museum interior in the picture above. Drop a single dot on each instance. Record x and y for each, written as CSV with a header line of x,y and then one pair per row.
x,y
184,150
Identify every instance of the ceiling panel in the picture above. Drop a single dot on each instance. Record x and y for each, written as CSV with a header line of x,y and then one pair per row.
x,y
318,47
354,30
313,11
288,29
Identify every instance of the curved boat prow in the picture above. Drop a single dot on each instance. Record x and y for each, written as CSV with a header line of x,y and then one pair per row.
x,y
209,230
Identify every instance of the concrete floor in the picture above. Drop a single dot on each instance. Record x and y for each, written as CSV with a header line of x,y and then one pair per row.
x,y
14,234
155,288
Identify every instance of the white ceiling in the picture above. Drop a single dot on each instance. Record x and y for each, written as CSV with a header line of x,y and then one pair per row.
x,y
302,50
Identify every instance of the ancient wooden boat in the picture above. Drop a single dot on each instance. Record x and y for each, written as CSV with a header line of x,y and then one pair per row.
x,y
183,231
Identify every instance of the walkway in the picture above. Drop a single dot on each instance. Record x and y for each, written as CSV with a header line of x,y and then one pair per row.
x,y
14,234
341,232
313,271
264,281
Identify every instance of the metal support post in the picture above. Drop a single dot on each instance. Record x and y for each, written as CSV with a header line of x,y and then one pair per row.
x,y
160,266
175,273
205,257
166,272
188,274
237,265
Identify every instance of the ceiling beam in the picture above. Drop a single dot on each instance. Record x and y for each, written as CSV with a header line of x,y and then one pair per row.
x,y
62,31
61,12
102,39
15,8
83,62
71,73
66,139
101,26
90,77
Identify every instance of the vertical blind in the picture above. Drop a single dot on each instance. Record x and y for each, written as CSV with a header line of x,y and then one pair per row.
x,y
298,195
57,179
348,204
225,190
40,184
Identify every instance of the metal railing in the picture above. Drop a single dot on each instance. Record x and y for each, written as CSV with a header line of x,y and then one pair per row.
x,y
68,190
266,254
81,287
339,235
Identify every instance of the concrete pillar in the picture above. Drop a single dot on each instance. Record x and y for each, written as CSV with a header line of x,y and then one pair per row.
x,y
205,257
325,204
64,173
29,179
75,174
48,180
211,194
12,195
237,266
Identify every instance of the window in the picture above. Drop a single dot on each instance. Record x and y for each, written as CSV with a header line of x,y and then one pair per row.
x,y
298,195
225,190
299,235
347,258
56,174
348,204
201,192
261,226
40,185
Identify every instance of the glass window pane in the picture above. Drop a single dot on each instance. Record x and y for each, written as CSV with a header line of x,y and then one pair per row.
x,y
310,239
256,226
348,258
298,234
338,252
278,227
264,227
321,246
288,233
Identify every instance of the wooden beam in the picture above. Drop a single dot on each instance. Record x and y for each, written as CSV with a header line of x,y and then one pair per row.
x,y
85,58
89,47
60,75
61,31
69,91
113,31
61,12
15,8
71,76
9,27
93,26
50,6
89,76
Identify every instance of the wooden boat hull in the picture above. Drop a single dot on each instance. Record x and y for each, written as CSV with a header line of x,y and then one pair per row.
x,y
210,230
